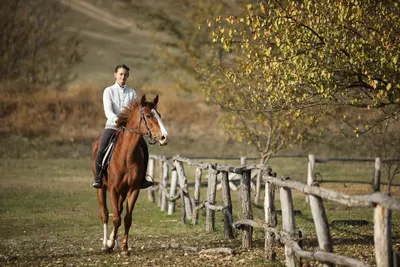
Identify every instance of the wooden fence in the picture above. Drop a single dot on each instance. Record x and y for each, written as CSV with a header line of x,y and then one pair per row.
x,y
375,182
381,203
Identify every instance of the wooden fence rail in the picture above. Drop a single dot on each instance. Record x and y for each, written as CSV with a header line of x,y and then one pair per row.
x,y
375,182
381,203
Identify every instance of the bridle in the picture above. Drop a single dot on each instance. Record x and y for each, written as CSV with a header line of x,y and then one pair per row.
x,y
148,134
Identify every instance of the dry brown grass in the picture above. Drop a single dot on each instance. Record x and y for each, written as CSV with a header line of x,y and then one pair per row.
x,y
78,112
46,112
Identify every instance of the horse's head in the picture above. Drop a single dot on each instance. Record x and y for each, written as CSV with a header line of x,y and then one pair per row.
x,y
151,121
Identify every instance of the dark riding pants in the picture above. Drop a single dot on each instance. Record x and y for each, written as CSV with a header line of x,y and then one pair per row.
x,y
105,139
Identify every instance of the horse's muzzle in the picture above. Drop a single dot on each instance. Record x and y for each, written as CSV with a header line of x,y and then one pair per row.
x,y
163,140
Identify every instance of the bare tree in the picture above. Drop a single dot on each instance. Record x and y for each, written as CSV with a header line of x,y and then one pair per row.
x,y
34,48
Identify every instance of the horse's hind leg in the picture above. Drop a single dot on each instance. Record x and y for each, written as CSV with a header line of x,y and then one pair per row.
x,y
116,203
101,197
132,197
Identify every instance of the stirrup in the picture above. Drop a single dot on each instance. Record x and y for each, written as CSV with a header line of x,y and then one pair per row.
x,y
98,179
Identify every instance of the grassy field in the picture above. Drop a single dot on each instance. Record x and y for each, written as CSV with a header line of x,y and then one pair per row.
x,y
49,217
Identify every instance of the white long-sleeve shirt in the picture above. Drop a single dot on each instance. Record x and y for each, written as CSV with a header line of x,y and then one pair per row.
x,y
115,98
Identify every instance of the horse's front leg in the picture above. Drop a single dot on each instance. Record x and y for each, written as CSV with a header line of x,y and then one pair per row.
x,y
132,197
101,197
112,242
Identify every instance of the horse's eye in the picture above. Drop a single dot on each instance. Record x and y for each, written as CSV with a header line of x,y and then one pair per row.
x,y
148,116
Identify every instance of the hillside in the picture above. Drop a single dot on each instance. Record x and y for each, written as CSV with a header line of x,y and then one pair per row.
x,y
110,36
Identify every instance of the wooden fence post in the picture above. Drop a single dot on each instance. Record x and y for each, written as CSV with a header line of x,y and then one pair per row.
x,y
377,176
161,164
288,222
163,186
183,208
183,185
150,190
243,161
226,197
310,173
382,236
172,191
245,194
197,187
321,225
211,193
270,218
382,225
258,188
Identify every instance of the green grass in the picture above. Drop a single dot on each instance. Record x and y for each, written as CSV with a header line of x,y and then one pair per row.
x,y
49,216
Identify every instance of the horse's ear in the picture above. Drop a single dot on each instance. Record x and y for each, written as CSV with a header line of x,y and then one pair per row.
x,y
143,100
155,101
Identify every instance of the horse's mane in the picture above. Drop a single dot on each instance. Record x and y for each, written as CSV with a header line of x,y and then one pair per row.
x,y
123,116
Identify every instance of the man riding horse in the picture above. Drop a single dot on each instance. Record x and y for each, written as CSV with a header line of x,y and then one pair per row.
x,y
115,98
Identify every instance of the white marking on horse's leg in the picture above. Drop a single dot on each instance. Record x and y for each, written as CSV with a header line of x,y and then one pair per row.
x,y
105,235
162,127
110,242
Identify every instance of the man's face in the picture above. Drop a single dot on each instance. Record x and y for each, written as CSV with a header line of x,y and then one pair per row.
x,y
121,76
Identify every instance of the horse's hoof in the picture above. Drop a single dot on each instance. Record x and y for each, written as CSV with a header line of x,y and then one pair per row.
x,y
110,243
106,250
125,253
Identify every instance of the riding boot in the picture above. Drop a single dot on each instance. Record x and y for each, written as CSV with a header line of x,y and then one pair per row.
x,y
145,183
103,143
98,179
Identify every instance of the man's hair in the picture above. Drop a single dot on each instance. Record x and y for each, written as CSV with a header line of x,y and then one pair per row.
x,y
121,66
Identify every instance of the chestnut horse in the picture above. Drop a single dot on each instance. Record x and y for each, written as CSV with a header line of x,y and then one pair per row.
x,y
126,168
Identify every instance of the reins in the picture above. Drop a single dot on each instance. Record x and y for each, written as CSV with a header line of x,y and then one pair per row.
x,y
148,134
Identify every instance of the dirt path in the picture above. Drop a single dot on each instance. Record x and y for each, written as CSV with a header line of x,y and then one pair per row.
x,y
104,16
99,36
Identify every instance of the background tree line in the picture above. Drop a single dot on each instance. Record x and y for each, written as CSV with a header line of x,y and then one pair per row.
x,y
35,49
